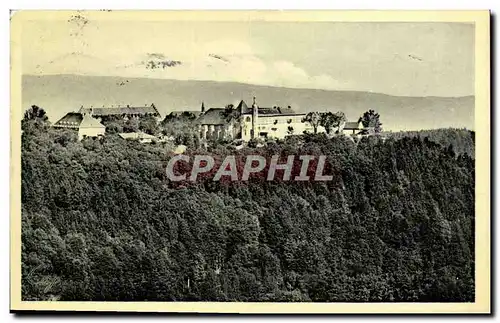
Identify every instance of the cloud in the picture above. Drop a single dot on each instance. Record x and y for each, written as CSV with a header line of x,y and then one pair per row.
x,y
155,55
240,63
289,75
253,70
227,47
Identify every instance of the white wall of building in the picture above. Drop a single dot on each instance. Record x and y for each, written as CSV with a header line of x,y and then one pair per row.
x,y
276,126
90,132
270,126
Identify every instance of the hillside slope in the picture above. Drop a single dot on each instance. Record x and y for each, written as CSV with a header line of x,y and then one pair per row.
x,y
102,222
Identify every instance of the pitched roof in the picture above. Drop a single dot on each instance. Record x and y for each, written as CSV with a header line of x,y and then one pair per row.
x,y
352,125
78,120
70,120
243,107
128,110
136,135
213,116
278,111
89,122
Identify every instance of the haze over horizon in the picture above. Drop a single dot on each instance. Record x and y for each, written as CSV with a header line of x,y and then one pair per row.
x,y
59,94
402,59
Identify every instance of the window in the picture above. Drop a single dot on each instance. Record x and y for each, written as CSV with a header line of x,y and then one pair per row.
x,y
247,119
289,120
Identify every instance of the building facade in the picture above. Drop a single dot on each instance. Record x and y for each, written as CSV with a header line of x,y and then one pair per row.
x,y
217,123
87,121
357,128
90,127
275,122
253,122
84,124
352,126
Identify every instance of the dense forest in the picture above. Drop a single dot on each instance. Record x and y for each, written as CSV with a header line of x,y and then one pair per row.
x,y
101,222
461,140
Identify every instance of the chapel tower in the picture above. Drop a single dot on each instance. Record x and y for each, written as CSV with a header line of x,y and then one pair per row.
x,y
255,116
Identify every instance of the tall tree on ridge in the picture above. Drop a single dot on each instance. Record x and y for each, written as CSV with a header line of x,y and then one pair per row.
x,y
34,117
371,119
329,120
314,118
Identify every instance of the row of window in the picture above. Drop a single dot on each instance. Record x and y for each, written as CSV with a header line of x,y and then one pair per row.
x,y
265,128
68,123
276,121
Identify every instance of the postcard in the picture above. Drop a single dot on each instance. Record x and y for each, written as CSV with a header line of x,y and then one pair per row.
x,y
283,162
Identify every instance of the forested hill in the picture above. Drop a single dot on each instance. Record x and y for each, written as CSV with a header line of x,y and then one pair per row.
x,y
461,140
100,221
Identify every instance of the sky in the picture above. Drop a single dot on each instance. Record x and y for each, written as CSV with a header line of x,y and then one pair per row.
x,y
404,59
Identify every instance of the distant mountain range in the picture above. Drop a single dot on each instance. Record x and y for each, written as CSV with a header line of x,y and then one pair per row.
x,y
59,94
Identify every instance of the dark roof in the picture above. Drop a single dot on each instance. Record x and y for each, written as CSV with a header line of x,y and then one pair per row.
x,y
213,116
78,120
128,110
243,107
216,116
70,120
195,113
353,125
277,111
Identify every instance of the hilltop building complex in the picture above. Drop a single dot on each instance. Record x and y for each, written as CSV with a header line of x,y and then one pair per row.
x,y
253,122
87,121
230,123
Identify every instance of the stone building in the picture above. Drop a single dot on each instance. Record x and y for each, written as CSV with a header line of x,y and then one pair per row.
x,y
125,112
245,122
84,124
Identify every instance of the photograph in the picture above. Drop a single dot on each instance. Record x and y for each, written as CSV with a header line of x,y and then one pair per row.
x,y
250,161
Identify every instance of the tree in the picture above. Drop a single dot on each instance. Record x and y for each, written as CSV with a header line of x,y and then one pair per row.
x,y
169,118
102,222
148,125
35,113
114,127
175,116
314,118
34,117
371,119
230,113
188,115
182,127
330,120
131,125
